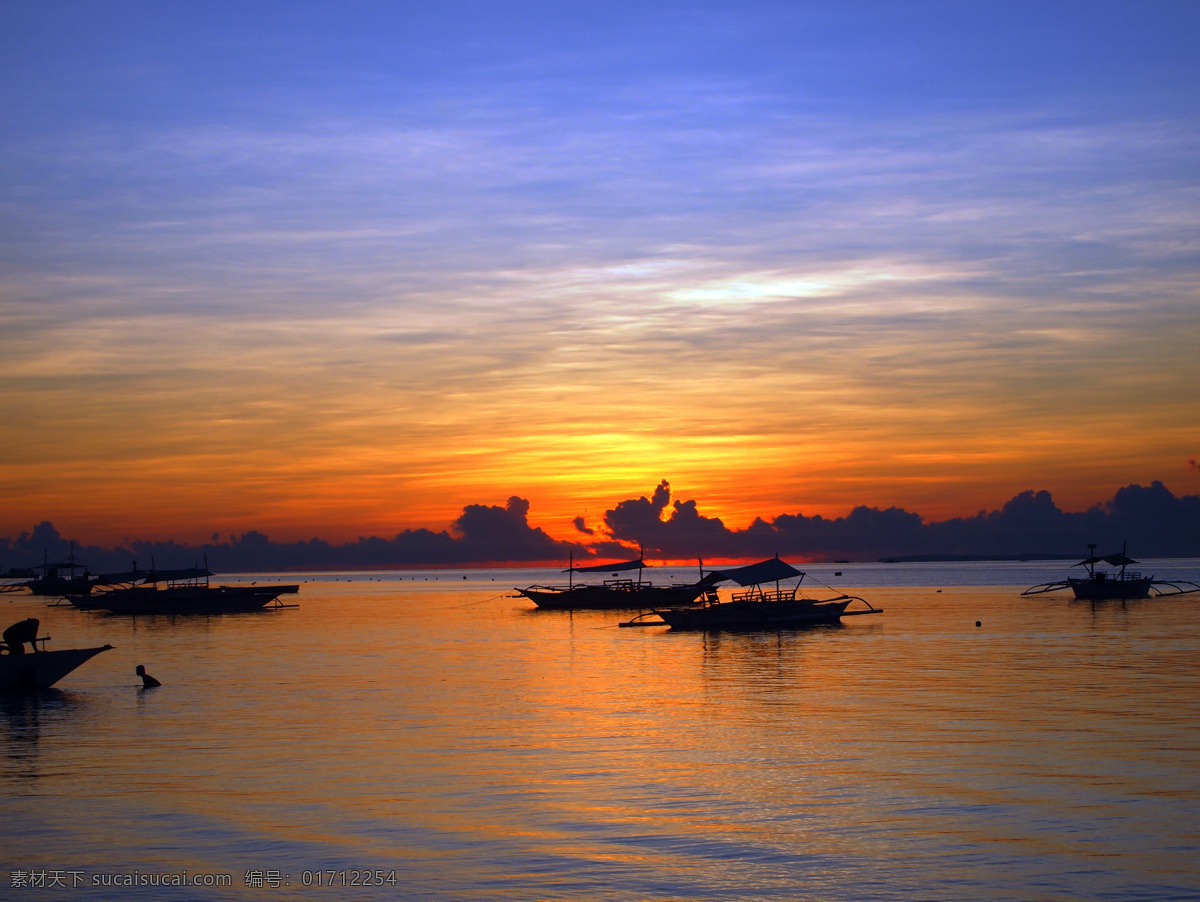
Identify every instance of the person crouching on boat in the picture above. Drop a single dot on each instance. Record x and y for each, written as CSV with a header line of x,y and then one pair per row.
x,y
19,633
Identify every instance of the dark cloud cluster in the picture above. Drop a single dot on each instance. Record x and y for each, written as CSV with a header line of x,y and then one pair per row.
x,y
1154,521
1157,523
481,535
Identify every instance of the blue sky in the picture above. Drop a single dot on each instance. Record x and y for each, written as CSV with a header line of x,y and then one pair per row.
x,y
366,263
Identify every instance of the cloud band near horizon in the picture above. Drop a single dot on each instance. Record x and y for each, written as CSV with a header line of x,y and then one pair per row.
x,y
1030,524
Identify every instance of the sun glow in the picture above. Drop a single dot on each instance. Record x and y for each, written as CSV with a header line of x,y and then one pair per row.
x,y
565,275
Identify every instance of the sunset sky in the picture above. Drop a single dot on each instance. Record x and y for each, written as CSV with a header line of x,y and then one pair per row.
x,y
341,269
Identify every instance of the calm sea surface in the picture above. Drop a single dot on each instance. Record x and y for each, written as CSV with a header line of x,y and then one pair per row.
x,y
453,743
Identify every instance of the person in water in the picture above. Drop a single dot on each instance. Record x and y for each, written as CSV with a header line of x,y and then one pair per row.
x,y
19,633
148,682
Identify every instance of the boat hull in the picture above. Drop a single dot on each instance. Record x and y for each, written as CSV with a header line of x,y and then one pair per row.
x,y
42,669
188,599
608,598
755,615
60,586
1092,589
85,602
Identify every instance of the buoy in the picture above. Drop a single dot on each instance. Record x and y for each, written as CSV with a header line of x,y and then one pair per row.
x,y
978,623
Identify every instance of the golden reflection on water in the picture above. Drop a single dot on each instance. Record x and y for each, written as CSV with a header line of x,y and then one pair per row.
x,y
484,750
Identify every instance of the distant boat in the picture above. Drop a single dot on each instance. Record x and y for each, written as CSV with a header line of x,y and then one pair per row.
x,y
41,669
611,594
185,591
1100,584
60,579
760,607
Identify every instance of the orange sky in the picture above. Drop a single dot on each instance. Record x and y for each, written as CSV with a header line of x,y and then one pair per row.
x,y
789,267
344,435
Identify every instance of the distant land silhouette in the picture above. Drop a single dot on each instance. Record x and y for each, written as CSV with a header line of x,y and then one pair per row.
x,y
1154,521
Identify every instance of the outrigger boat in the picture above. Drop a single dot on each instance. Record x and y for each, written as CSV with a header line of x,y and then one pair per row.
x,y
59,579
611,594
185,591
40,669
757,608
1100,584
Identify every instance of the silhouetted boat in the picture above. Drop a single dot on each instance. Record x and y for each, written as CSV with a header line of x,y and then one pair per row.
x,y
611,594
41,669
1100,584
185,591
759,608
61,579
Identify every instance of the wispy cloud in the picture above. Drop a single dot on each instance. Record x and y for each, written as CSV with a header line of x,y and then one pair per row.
x,y
524,265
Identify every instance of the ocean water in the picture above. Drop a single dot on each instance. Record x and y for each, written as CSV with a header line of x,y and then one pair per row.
x,y
429,736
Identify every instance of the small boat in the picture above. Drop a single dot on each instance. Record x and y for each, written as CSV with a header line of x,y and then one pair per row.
x,y
759,607
60,579
40,669
1098,584
185,591
611,594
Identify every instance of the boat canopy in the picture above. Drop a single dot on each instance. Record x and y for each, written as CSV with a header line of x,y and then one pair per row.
x,y
752,574
602,568
162,576
122,577
61,565
1120,559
